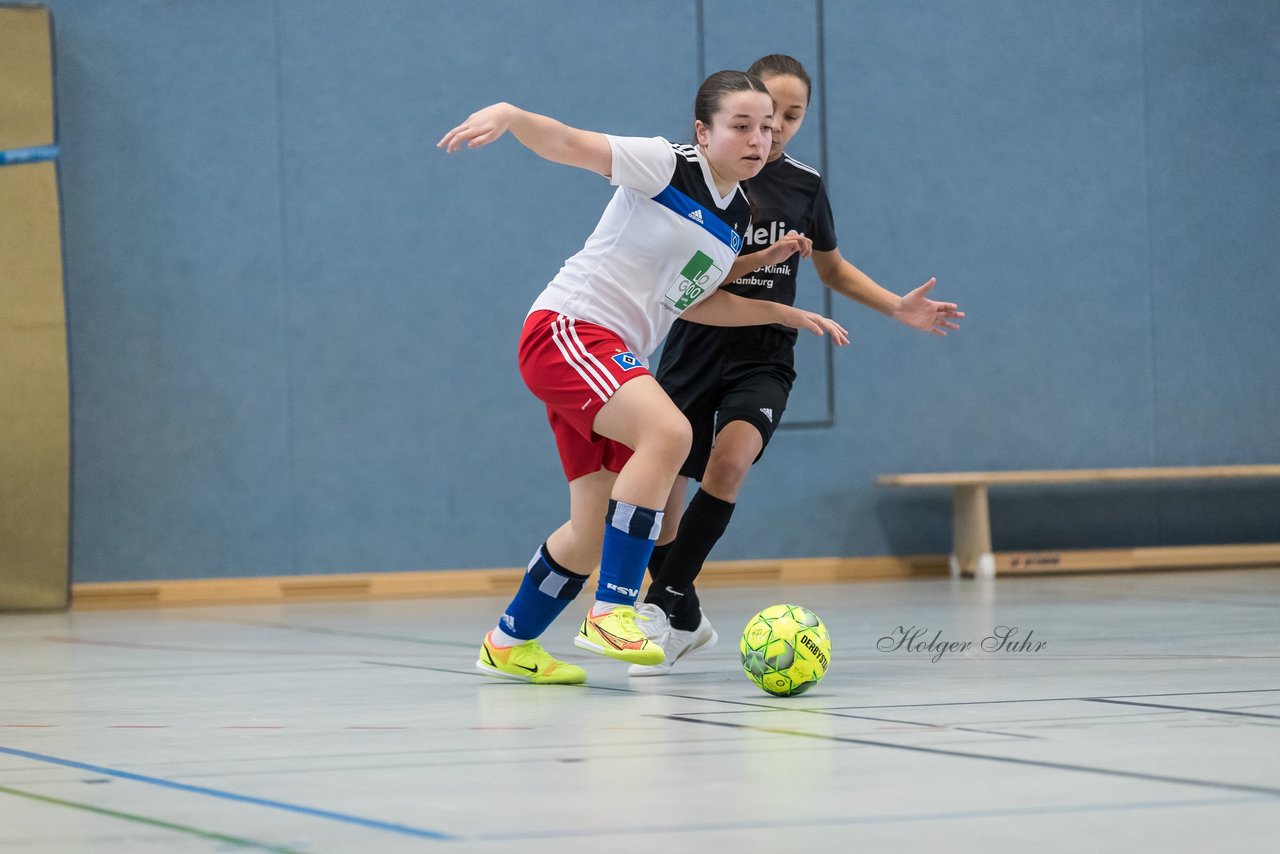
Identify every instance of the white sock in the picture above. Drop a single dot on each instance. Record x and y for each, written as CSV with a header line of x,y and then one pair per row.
x,y
498,637
599,607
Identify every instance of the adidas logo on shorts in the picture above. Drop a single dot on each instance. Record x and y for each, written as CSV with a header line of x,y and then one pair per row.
x,y
768,413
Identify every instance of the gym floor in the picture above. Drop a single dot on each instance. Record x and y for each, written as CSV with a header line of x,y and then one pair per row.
x,y
1128,712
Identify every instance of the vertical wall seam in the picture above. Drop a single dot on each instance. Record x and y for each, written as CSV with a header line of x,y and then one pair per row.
x,y
1150,251
291,501
827,302
828,419
700,35
66,310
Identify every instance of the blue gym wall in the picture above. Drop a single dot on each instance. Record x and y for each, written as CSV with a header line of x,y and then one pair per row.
x,y
293,321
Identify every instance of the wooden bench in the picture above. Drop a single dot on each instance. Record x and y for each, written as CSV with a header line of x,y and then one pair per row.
x,y
971,552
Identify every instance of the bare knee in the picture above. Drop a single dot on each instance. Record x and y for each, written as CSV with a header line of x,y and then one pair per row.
x,y
576,546
725,476
668,435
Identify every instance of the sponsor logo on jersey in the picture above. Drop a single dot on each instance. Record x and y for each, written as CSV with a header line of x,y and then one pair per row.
x,y
767,236
699,275
687,208
768,413
627,361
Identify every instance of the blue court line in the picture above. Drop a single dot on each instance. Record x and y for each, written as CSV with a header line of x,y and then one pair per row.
x,y
35,154
232,796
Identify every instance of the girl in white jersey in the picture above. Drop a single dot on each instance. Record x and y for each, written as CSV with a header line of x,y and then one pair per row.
x,y
667,239
733,384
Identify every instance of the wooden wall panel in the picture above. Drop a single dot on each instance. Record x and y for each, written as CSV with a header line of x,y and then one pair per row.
x,y
34,394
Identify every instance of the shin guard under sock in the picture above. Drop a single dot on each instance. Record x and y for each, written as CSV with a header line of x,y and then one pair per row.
x,y
629,535
545,591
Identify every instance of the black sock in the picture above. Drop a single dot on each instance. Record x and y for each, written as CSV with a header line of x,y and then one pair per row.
x,y
686,614
656,559
704,523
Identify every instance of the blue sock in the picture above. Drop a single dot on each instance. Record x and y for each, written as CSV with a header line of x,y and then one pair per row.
x,y
629,535
546,590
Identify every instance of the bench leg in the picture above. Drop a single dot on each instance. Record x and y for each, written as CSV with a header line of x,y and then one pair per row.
x,y
971,533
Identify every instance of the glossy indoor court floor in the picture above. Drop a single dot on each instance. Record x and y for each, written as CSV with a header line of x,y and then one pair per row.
x,y
1148,721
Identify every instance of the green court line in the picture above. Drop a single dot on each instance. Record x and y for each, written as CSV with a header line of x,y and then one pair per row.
x,y
153,822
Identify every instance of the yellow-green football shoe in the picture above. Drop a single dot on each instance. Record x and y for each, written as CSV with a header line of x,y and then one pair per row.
x,y
527,662
615,634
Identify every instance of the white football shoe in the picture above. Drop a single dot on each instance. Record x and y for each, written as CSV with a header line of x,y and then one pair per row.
x,y
677,644
652,622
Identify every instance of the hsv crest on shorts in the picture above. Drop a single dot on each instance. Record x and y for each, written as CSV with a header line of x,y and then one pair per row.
x,y
627,361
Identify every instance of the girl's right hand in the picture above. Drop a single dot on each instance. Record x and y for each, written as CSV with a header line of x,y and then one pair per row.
x,y
790,243
480,128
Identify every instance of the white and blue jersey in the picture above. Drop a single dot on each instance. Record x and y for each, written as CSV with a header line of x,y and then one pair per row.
x,y
665,241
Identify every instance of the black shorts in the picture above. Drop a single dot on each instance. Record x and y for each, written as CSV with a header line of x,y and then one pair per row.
x,y
717,375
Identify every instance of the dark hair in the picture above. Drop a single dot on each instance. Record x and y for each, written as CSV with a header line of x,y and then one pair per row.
x,y
780,63
715,87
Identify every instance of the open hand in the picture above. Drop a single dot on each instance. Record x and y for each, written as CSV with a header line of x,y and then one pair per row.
x,y
919,312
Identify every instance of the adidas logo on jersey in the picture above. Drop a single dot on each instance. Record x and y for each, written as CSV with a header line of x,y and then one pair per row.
x,y
696,216
768,413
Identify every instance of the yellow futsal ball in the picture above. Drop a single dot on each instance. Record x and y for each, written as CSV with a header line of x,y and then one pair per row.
x,y
785,650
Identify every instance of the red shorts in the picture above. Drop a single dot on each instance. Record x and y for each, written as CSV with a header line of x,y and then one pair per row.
x,y
574,367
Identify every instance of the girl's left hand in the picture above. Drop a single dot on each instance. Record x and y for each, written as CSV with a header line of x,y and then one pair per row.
x,y
819,325
919,312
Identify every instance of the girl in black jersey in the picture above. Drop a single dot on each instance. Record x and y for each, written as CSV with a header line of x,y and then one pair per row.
x,y
733,384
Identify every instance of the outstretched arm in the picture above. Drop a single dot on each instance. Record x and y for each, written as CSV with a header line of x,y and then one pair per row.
x,y
542,135
725,309
915,309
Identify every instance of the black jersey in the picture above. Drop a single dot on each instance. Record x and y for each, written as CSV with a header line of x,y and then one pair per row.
x,y
787,196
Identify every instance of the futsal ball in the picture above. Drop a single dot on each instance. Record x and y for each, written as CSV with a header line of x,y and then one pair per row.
x,y
785,650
